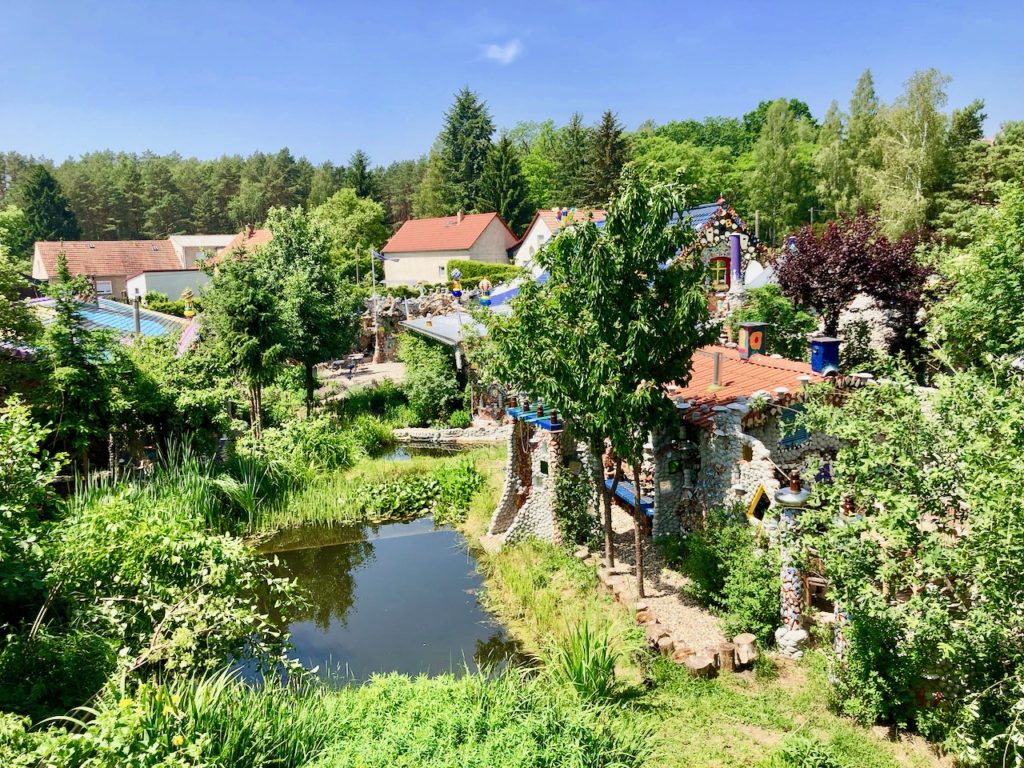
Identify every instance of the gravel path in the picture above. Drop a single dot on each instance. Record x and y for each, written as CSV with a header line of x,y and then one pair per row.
x,y
688,623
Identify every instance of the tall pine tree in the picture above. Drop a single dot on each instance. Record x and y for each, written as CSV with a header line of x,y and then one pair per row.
x,y
609,153
572,156
464,143
860,145
503,187
358,175
773,184
48,213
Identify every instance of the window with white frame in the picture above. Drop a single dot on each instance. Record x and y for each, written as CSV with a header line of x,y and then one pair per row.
x,y
104,287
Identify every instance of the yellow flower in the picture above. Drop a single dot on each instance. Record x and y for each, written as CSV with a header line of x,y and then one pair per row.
x,y
175,698
125,703
168,710
178,740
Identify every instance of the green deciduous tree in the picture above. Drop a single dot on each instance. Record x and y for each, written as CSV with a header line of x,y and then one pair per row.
x,y
355,225
503,187
836,186
243,308
47,211
773,185
18,324
15,236
322,310
912,146
587,342
977,320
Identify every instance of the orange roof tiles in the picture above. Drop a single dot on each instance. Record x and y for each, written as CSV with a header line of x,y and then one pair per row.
x,y
247,238
738,378
446,233
580,215
109,257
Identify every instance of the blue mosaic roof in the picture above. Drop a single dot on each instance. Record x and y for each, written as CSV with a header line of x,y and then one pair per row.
x,y
107,315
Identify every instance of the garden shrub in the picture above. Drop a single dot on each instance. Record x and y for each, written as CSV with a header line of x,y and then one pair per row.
x,y
142,570
734,571
790,326
927,563
375,400
573,497
460,419
371,434
431,384
52,673
475,271
305,445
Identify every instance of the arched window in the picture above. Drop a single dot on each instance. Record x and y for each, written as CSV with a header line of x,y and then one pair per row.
x,y
718,269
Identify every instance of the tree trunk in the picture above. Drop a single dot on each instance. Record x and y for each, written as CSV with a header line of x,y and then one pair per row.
x,y
310,386
603,499
638,542
255,405
111,455
745,649
609,494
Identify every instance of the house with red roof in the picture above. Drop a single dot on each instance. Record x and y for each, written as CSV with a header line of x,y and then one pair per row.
x,y
419,252
166,266
547,223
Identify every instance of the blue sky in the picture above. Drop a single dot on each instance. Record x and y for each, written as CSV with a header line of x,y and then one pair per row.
x,y
325,78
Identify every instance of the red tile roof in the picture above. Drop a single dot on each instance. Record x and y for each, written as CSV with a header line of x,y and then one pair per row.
x,y
738,378
446,233
247,238
580,215
109,257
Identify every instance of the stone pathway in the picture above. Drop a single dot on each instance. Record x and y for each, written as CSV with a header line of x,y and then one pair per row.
x,y
365,375
685,623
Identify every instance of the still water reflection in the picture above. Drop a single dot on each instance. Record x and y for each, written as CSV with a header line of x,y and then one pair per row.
x,y
397,597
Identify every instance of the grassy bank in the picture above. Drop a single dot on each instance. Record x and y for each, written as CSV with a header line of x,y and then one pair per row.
x,y
779,718
512,719
379,490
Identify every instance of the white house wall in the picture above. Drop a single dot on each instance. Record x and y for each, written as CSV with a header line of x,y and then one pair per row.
x,y
431,267
171,284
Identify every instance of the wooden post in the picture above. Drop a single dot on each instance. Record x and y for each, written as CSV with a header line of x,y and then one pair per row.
x,y
726,658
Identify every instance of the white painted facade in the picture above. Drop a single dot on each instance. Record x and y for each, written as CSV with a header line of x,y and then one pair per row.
x,y
170,283
431,267
535,238
188,248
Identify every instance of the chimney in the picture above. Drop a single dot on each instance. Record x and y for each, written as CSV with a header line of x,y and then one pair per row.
x,y
825,355
716,372
458,219
753,339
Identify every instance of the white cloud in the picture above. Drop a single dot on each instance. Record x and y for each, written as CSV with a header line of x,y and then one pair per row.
x,y
504,54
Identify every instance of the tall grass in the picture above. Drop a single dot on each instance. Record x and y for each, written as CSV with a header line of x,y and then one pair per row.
x,y
586,661
506,719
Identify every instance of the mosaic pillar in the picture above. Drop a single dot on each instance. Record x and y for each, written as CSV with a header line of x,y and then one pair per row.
x,y
791,638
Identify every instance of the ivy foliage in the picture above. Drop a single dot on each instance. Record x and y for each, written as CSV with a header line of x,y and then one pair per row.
x,y
431,383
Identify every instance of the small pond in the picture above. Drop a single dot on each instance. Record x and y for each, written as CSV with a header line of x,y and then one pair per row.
x,y
399,597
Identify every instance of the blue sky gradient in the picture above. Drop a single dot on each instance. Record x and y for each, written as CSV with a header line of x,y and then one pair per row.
x,y
325,78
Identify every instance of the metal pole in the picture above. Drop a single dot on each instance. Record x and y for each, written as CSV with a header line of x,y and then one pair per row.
x,y
812,215
376,330
757,224
135,315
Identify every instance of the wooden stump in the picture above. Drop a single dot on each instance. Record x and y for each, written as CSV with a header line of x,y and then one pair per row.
x,y
655,632
746,649
665,645
727,658
700,666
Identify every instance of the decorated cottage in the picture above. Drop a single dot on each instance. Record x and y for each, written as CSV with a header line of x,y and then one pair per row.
x,y
732,446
